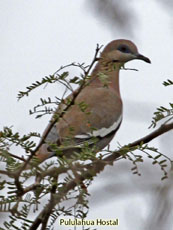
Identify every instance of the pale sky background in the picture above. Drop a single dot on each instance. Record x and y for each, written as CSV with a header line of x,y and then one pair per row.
x,y
38,36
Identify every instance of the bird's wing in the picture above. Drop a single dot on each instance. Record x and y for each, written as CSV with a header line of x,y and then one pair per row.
x,y
96,114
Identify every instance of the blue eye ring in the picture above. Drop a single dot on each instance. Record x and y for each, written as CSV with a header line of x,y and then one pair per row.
x,y
124,48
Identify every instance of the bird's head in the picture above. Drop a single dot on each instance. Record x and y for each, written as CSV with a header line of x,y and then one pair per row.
x,y
122,51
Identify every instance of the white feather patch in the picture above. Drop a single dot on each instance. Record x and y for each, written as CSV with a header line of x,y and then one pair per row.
x,y
101,132
83,136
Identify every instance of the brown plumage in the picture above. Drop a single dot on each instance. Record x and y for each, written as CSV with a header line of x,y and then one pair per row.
x,y
102,115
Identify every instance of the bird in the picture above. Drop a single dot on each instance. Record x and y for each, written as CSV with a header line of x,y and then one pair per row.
x,y
97,111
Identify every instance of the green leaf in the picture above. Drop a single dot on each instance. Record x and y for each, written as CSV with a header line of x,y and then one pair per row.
x,y
161,162
164,177
168,83
157,156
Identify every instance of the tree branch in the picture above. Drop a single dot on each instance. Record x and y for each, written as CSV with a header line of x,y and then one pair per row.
x,y
75,94
92,169
55,119
161,130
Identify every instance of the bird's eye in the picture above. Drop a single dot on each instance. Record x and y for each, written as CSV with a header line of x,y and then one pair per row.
x,y
124,49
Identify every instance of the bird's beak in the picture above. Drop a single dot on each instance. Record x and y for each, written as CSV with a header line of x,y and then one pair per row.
x,y
142,57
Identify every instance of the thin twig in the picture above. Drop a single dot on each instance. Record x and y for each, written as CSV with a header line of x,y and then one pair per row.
x,y
14,156
6,173
94,59
130,69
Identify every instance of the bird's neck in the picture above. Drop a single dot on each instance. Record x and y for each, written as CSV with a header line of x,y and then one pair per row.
x,y
106,74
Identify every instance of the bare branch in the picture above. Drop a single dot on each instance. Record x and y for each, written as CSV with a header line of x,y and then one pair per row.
x,y
161,130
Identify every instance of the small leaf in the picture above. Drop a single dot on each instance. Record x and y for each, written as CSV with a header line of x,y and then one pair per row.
x,y
161,162
164,177
157,156
133,168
